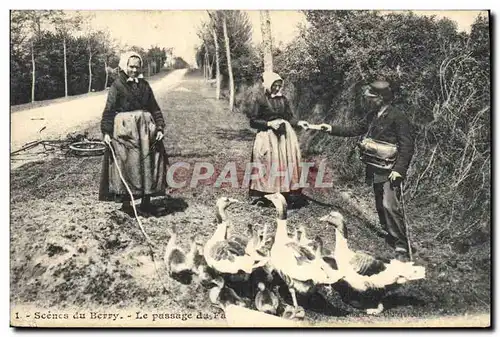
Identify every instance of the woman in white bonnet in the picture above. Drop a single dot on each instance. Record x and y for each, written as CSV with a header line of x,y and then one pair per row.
x,y
276,146
133,124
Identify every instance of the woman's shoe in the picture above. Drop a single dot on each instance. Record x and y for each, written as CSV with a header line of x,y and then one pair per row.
x,y
153,210
261,202
129,210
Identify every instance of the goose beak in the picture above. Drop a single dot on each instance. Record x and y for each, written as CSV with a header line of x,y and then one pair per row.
x,y
334,218
324,218
337,215
226,200
277,197
212,284
274,196
270,196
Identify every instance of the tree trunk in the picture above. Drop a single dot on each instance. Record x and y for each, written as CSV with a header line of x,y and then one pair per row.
x,y
90,71
206,61
65,69
229,66
217,66
107,75
33,73
265,26
205,67
211,68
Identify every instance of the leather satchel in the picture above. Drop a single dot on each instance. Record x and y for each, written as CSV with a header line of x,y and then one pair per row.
x,y
378,153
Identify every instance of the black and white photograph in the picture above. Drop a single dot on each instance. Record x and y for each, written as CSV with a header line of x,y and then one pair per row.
x,y
225,168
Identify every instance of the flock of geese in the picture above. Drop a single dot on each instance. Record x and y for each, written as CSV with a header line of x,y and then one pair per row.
x,y
256,264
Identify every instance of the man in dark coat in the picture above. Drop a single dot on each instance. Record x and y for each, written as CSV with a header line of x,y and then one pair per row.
x,y
385,123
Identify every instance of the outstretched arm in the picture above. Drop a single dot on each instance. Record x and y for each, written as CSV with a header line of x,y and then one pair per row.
x,y
357,129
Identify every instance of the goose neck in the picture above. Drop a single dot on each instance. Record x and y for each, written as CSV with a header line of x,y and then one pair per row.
x,y
220,232
281,231
340,240
221,213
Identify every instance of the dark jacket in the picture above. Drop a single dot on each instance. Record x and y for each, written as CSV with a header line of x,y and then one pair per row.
x,y
392,127
126,96
266,109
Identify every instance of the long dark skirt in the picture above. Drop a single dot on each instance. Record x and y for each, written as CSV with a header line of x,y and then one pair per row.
x,y
142,160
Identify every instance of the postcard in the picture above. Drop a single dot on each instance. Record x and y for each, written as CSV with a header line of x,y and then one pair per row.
x,y
250,168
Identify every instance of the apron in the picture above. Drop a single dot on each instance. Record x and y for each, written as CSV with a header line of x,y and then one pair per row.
x,y
274,154
142,161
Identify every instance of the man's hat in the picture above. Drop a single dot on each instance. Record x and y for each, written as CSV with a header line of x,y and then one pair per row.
x,y
379,88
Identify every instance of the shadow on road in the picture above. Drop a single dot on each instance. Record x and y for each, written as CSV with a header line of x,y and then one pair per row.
x,y
395,300
172,205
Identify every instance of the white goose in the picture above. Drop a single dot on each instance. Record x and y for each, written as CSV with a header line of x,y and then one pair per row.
x,y
179,265
365,272
301,270
231,256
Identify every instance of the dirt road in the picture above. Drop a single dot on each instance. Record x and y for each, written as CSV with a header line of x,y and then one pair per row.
x,y
57,120
69,250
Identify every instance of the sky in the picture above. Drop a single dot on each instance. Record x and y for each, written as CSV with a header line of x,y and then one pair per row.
x,y
177,28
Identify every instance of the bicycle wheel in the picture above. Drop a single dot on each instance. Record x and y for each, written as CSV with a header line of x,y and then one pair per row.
x,y
89,148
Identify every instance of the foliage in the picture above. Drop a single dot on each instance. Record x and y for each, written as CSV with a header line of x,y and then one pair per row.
x,y
46,31
180,63
441,79
245,61
442,82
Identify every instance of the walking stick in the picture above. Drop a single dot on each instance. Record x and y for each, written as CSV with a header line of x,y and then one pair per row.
x,y
151,245
407,224
148,240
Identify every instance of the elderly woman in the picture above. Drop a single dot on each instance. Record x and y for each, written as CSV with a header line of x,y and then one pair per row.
x,y
276,148
132,123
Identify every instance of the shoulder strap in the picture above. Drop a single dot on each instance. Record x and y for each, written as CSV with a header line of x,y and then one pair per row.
x,y
370,127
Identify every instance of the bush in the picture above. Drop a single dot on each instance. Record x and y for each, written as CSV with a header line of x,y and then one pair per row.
x,y
441,79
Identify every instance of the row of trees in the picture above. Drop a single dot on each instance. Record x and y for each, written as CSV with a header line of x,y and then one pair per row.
x,y
226,45
57,54
442,81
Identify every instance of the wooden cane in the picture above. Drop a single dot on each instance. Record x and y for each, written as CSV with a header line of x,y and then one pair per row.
x,y
407,224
